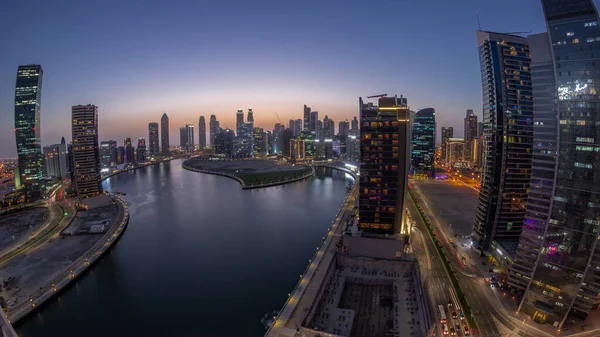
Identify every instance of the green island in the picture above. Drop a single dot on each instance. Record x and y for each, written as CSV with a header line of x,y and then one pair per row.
x,y
251,173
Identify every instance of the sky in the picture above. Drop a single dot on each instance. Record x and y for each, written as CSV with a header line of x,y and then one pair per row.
x,y
137,59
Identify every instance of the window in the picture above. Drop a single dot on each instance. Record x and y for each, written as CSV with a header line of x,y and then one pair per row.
x,y
583,165
570,33
590,24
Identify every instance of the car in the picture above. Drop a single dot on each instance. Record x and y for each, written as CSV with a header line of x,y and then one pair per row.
x,y
454,315
452,332
449,303
457,327
466,330
461,315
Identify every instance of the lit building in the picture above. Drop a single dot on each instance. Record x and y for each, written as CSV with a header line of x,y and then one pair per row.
x,y
153,139
310,149
423,144
328,128
120,155
561,222
28,94
202,133
297,150
244,141
353,149
306,116
214,129
224,140
447,133
455,152
239,121
278,147
129,151
108,155
344,128
260,142
186,138
507,140
140,152
477,152
384,142
55,157
164,133
86,154
470,134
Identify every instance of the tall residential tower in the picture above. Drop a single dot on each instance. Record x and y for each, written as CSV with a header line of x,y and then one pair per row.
x,y
423,144
86,153
153,138
202,133
164,133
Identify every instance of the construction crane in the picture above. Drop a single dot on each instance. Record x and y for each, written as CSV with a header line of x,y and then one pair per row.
x,y
279,119
382,95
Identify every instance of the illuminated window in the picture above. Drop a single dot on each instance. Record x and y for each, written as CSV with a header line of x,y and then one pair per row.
x,y
575,40
583,165
570,34
590,24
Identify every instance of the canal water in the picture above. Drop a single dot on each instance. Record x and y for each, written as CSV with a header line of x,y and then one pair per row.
x,y
201,257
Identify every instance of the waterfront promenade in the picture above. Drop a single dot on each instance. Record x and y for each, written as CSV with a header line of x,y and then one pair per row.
x,y
75,269
301,298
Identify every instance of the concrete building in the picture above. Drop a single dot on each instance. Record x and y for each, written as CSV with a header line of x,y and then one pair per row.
x,y
423,144
86,152
295,125
507,139
558,256
153,139
164,134
201,133
55,158
108,155
28,95
477,152
470,134
447,133
384,165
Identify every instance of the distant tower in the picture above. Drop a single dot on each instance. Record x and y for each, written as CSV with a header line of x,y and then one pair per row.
x,y
62,141
141,150
86,153
250,115
202,133
164,133
447,133
28,94
306,118
470,134
213,129
239,121
423,144
153,138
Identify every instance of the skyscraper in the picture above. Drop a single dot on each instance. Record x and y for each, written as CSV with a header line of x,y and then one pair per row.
x,y
344,128
224,140
239,120
55,157
129,151
120,155
354,130
202,133
214,129
306,115
140,152
328,128
28,94
186,137
108,155
314,117
507,139
470,134
250,115
447,133
566,275
153,138
384,165
423,144
86,156
164,133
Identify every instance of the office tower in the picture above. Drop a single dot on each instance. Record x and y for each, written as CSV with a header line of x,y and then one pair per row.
x,y
86,154
201,133
120,155
244,141
213,129
565,278
186,138
344,128
260,142
423,144
129,151
28,94
306,115
153,138
55,157
384,165
70,163
507,139
470,133
318,130
297,150
224,140
447,133
295,126
328,128
164,133
479,129
354,130
314,117
108,155
250,116
455,152
140,152
239,120
278,138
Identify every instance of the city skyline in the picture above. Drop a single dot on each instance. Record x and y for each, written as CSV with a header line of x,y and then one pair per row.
x,y
279,78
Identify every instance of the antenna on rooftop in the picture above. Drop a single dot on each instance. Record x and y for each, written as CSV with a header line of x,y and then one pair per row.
x,y
478,23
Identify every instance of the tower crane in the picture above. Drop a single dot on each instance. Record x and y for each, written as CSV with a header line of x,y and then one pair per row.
x,y
382,95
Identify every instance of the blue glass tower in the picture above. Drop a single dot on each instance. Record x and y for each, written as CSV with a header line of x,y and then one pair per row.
x,y
423,144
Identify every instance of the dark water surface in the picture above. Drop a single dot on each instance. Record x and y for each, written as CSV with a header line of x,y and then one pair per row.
x,y
201,257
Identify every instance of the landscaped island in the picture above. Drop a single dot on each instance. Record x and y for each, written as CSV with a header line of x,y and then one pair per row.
x,y
253,173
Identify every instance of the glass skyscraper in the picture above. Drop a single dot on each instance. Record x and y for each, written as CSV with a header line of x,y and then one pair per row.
x,y
153,138
507,139
384,164
566,277
86,152
164,133
28,94
423,144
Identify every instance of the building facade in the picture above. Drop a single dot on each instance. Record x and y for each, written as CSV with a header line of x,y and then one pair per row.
x,y
28,95
56,161
384,142
447,133
129,151
108,155
164,134
566,275
86,152
507,139
186,138
202,133
214,129
423,144
470,134
140,151
153,147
